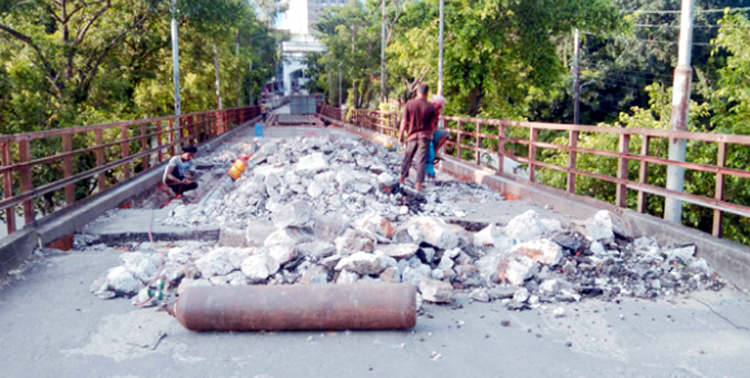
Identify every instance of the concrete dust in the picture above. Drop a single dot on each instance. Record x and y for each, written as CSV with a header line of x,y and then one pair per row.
x,y
133,335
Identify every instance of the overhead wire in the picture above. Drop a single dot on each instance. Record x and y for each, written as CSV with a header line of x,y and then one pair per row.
x,y
677,11
643,40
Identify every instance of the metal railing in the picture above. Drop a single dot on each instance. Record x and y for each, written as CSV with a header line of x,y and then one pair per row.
x,y
493,138
112,153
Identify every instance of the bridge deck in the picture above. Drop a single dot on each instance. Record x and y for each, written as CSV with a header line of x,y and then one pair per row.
x,y
50,324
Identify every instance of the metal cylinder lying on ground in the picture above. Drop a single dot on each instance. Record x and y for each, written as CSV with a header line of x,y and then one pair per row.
x,y
298,307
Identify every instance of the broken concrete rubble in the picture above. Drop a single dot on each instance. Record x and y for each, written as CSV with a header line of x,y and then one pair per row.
x,y
362,263
600,227
295,214
436,291
398,251
516,269
433,231
543,251
525,227
259,267
354,241
316,212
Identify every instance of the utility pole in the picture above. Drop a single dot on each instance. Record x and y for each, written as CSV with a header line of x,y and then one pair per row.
x,y
239,72
218,77
440,39
250,101
176,69
576,77
383,96
330,86
680,112
341,88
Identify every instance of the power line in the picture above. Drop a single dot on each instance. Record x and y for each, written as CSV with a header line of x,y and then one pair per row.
x,y
619,70
675,26
644,40
677,11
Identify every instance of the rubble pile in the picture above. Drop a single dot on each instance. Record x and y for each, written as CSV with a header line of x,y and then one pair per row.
x,y
337,175
528,262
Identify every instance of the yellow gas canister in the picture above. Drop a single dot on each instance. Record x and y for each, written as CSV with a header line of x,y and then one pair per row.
x,y
239,166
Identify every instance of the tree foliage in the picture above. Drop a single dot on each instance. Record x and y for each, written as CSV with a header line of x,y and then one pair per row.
x,y
78,62
723,107
71,62
498,53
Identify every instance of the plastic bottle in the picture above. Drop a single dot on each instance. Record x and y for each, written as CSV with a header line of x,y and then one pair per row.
x,y
239,166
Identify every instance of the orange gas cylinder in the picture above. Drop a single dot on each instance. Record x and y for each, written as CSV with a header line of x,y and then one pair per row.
x,y
235,171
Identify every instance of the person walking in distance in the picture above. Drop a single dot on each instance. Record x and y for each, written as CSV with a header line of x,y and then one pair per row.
x,y
417,122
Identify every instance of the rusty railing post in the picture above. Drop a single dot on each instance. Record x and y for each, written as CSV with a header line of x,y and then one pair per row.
x,y
643,173
533,134
621,195
478,144
459,150
70,189
171,137
572,156
219,123
501,147
100,158
199,128
190,130
27,184
721,161
125,146
159,154
144,147
10,215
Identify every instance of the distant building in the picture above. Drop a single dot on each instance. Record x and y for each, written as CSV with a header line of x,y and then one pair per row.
x,y
299,20
293,54
302,15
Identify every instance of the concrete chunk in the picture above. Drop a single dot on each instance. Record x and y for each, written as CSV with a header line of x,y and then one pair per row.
x,y
600,227
543,251
436,291
295,214
516,269
398,251
362,263
525,227
259,267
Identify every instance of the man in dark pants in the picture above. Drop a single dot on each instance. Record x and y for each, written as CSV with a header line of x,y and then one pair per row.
x,y
179,175
417,124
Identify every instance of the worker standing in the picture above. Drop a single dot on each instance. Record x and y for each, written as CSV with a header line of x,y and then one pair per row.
x,y
439,136
180,173
417,123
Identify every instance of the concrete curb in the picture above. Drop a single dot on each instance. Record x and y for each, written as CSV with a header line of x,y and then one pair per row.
x,y
18,246
730,259
142,237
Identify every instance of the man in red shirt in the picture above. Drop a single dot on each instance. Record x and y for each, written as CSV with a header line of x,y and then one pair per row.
x,y
417,123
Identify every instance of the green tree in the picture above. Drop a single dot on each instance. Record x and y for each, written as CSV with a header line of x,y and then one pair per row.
x,y
726,110
77,62
498,53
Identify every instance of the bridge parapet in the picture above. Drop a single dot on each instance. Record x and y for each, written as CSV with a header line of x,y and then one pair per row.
x,y
36,165
489,142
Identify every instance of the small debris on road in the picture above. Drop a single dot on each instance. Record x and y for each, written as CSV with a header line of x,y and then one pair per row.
x,y
436,356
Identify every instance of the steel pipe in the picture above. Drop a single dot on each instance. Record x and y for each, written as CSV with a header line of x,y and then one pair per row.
x,y
297,307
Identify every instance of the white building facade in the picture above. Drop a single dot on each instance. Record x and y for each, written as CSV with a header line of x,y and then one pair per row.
x,y
300,20
302,15
293,54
